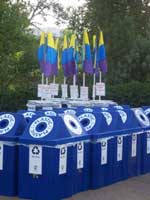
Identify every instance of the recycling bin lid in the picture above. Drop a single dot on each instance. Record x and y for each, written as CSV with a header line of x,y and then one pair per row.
x,y
11,126
27,114
52,130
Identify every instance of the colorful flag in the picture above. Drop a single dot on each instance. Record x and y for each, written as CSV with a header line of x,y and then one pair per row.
x,y
94,52
65,65
101,56
87,57
56,48
41,51
71,55
51,67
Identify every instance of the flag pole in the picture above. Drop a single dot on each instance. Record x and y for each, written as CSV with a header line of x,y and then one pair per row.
x,y
54,79
42,79
83,79
46,80
94,74
100,80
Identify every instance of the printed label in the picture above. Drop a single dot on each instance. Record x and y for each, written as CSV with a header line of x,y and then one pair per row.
x,y
35,159
54,89
148,143
74,93
100,89
84,93
63,160
134,145
80,155
1,155
104,144
64,89
119,148
123,115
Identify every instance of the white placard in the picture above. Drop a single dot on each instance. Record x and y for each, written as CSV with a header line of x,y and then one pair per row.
x,y
119,148
80,155
134,145
35,159
64,89
84,93
44,91
94,91
54,89
74,93
100,89
104,145
63,160
1,155
148,143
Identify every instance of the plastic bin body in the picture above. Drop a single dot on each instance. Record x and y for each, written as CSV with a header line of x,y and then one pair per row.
x,y
50,184
9,131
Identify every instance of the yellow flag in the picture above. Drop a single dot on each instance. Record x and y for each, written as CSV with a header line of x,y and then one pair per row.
x,y
50,40
42,38
101,39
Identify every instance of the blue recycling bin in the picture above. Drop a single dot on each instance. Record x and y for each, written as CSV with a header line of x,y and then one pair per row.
x,y
49,171
11,126
126,162
144,122
99,125
27,114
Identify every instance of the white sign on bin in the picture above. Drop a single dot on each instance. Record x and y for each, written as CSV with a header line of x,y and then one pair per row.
x,y
44,91
54,89
84,93
35,159
1,155
100,89
64,89
74,93
63,160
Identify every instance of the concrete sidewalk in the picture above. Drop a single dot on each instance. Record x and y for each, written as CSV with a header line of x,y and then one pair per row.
x,y
133,189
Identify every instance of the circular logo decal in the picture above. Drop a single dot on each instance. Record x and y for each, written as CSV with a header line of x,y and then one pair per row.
x,y
118,107
147,111
91,120
72,112
142,118
50,113
88,110
72,124
41,120
123,115
108,117
104,109
9,120
28,114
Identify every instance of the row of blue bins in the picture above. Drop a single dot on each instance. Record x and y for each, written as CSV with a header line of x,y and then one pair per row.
x,y
55,154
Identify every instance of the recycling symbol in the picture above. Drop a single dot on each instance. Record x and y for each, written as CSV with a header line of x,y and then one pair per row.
x,y
133,137
63,151
35,150
79,146
103,143
119,140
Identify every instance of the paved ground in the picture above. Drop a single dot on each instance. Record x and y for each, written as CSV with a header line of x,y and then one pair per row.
x,y
134,189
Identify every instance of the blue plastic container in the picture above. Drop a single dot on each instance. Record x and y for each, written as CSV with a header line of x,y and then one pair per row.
x,y
11,126
56,136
